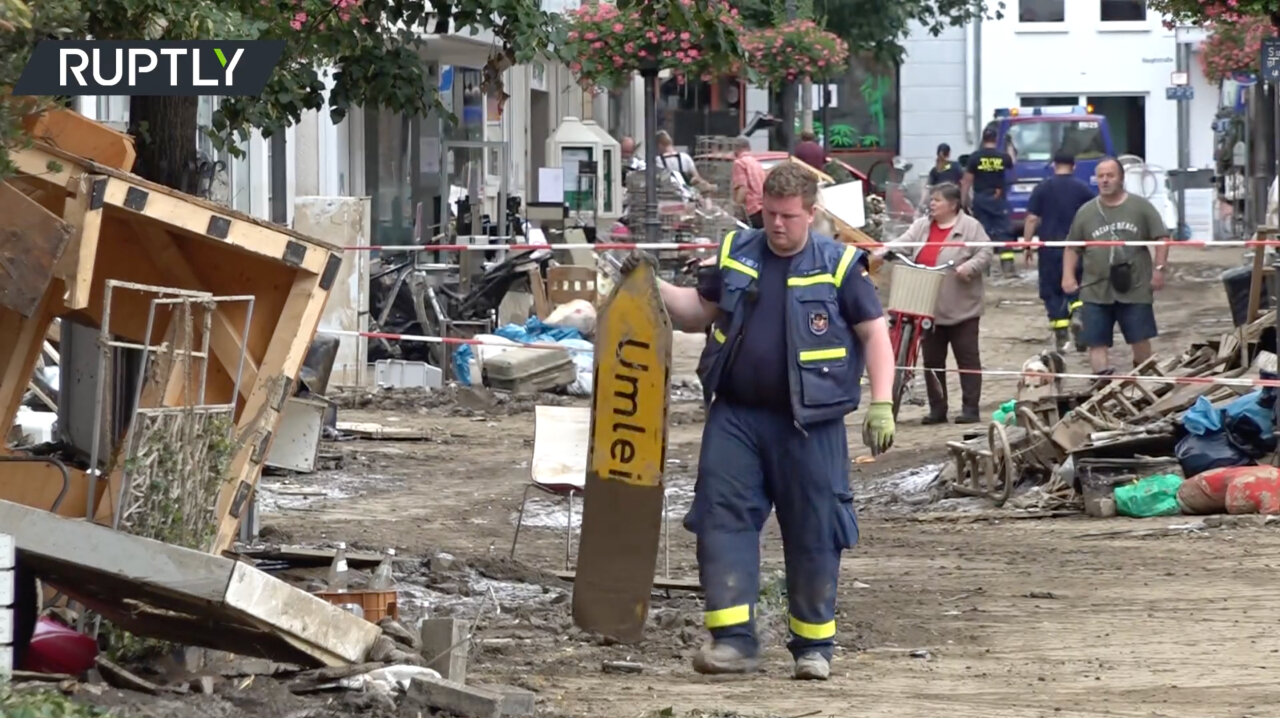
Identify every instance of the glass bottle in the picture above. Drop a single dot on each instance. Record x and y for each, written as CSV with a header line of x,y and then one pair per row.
x,y
382,577
339,573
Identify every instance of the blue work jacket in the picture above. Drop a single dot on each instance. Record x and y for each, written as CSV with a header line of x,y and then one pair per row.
x,y
825,375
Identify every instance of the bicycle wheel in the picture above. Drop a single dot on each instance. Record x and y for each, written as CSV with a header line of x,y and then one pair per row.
x,y
902,372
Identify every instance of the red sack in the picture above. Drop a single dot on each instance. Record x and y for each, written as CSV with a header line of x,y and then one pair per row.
x,y
1206,493
1257,493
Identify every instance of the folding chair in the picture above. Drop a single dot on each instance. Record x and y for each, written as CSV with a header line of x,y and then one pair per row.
x,y
561,437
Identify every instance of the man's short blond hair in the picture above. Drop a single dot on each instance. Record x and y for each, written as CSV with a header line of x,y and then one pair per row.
x,y
789,179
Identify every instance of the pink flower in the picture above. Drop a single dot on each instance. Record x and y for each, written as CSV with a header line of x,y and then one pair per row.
x,y
298,20
617,27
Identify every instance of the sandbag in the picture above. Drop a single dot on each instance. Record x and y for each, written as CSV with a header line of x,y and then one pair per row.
x,y
1255,494
1206,493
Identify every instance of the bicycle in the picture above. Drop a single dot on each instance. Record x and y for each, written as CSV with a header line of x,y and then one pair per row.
x,y
913,295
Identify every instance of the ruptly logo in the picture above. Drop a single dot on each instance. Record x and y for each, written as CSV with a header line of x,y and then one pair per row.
x,y
149,67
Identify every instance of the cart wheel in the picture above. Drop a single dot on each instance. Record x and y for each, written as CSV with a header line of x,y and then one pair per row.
x,y
902,374
1002,467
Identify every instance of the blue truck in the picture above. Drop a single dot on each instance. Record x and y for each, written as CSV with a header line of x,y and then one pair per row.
x,y
1036,134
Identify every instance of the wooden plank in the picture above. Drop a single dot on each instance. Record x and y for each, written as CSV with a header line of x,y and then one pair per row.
x,y
313,556
174,211
684,585
82,136
31,241
277,372
24,345
83,211
225,336
622,506
1255,285
169,592
35,161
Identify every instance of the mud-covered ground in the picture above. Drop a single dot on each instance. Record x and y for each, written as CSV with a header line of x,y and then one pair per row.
x,y
945,609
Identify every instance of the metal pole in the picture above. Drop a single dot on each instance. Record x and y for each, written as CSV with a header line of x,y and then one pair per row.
x,y
652,227
1184,140
1275,90
826,128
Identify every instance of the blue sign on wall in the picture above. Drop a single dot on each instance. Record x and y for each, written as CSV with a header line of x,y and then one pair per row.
x,y
1271,59
1180,93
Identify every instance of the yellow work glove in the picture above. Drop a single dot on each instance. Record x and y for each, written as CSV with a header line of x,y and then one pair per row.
x,y
878,428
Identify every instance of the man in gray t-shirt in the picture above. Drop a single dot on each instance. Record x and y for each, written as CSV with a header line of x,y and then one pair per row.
x,y
1118,283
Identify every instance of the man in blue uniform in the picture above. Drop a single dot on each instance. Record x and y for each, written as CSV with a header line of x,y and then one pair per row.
x,y
985,176
1050,210
794,319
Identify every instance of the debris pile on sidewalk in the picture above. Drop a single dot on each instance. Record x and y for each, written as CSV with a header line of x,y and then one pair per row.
x,y
1156,441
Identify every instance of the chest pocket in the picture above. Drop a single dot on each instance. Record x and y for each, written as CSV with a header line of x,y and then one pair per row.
x,y
822,340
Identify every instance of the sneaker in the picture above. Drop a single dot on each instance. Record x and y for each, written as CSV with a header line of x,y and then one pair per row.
x,y
716,658
813,666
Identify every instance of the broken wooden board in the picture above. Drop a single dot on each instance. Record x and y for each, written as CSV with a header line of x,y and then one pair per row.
x,y
373,430
182,595
622,506
32,240
664,583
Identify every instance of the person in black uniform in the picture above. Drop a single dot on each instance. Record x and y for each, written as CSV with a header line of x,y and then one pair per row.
x,y
989,203
944,170
1050,212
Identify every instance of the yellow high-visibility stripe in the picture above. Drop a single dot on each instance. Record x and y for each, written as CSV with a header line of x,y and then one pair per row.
x,y
1059,324
808,630
732,264
846,261
725,245
731,616
827,354
1006,255
822,279
718,335
1075,306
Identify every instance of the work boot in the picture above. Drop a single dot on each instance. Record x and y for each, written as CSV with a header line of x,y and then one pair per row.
x,y
716,658
932,418
1008,267
813,666
968,415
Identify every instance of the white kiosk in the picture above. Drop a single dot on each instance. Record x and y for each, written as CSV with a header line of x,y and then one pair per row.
x,y
595,188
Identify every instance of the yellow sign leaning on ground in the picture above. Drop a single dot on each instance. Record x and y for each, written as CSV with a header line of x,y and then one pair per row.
x,y
632,365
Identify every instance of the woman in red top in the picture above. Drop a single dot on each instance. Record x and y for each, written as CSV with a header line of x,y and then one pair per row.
x,y
960,300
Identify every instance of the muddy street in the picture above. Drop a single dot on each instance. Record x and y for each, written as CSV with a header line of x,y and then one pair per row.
x,y
946,608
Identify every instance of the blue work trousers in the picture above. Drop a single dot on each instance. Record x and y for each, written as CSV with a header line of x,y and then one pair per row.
x,y
1058,305
993,212
752,460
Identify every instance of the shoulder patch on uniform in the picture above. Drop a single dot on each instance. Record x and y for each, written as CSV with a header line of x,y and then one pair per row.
x,y
819,322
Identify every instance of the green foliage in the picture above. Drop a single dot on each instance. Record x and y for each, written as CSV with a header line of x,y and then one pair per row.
x,y
795,49
42,703
842,136
374,47
1201,12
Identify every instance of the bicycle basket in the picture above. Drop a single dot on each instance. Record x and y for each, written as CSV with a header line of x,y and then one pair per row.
x,y
915,291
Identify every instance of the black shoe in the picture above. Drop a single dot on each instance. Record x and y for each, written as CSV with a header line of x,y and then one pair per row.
x,y
934,419
968,417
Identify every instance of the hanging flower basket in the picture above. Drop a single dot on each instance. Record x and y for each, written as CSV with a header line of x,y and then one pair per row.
x,y
606,45
1200,12
1234,47
795,50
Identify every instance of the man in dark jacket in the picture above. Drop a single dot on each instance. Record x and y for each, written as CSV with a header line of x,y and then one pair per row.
x,y
1052,207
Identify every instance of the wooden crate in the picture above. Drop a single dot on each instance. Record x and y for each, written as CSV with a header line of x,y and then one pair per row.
x,y
128,229
374,604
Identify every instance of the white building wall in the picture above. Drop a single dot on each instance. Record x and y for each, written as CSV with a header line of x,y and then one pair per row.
x,y
1084,56
934,90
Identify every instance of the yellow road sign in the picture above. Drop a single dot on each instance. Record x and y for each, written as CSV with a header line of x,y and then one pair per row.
x,y
622,508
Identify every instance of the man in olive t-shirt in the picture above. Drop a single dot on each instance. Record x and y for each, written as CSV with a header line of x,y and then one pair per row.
x,y
1116,215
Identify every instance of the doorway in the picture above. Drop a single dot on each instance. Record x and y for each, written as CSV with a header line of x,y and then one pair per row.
x,y
1127,117
539,131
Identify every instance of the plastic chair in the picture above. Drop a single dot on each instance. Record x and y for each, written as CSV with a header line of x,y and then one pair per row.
x,y
561,437
566,283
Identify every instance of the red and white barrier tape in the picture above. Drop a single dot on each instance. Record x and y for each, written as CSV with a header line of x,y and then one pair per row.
x,y
1011,245
1220,381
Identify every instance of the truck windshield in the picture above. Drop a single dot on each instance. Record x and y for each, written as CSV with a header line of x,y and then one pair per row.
x,y
1037,141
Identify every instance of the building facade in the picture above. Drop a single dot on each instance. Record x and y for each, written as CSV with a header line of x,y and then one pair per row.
x,y
1115,55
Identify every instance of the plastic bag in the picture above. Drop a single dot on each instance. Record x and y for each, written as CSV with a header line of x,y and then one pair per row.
x,y
1155,496
1199,454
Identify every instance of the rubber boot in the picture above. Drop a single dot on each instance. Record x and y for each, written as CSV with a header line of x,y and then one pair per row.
x,y
1008,267
813,666
1077,327
968,415
1060,339
716,658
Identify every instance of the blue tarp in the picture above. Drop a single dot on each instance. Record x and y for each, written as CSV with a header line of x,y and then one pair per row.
x,y
533,331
